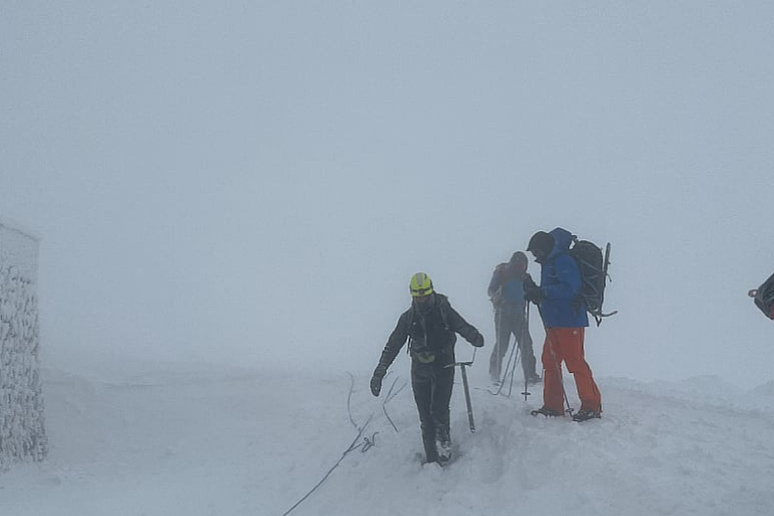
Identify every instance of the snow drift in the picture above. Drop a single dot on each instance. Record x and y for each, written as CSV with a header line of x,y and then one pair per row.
x,y
167,439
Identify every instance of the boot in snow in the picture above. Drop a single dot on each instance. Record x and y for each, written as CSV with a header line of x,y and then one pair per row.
x,y
585,414
428,441
443,443
545,411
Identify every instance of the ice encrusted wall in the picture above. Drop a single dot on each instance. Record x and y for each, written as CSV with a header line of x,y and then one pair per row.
x,y
22,430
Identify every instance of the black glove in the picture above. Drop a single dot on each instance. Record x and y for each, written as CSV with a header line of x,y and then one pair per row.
x,y
478,341
534,294
376,379
529,284
376,385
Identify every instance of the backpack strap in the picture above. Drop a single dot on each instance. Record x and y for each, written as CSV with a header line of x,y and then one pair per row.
x,y
443,305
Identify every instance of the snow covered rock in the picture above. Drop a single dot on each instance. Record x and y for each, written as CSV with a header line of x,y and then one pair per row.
x,y
22,431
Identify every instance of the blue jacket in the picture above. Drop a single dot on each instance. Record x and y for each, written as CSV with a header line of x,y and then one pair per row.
x,y
560,281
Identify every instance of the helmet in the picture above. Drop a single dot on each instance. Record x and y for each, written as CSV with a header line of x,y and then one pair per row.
x,y
420,285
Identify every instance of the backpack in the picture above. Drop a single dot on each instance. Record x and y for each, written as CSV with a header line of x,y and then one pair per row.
x,y
764,297
593,270
418,338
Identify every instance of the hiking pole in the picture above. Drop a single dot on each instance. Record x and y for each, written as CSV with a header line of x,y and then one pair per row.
x,y
524,334
498,352
467,399
556,362
467,389
509,368
519,356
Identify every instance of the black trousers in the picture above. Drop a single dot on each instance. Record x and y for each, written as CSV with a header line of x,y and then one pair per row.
x,y
512,322
432,385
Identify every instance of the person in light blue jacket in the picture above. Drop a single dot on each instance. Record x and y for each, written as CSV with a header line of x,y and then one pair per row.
x,y
506,291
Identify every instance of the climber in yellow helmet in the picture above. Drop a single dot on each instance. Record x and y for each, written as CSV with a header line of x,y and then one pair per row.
x,y
430,325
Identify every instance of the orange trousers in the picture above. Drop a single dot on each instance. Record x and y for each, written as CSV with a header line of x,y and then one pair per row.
x,y
566,345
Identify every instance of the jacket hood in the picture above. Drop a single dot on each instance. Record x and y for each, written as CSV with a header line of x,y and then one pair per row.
x,y
562,240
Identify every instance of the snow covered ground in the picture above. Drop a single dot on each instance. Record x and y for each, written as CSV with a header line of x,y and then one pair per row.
x,y
130,438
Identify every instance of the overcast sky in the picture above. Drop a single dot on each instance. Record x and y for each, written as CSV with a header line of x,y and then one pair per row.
x,y
256,182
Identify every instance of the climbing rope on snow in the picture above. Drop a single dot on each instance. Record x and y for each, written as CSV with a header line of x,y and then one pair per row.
x,y
367,442
353,446
349,399
388,398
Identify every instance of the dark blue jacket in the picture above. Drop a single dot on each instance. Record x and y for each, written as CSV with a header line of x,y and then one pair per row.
x,y
560,281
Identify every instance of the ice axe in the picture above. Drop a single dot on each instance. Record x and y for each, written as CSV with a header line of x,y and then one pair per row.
x,y
463,365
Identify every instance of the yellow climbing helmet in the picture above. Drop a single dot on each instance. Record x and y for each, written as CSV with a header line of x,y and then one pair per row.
x,y
421,285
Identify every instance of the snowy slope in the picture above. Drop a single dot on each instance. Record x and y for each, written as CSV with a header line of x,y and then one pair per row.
x,y
161,439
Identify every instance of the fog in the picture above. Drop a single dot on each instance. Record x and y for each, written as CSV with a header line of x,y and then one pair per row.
x,y
255,182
